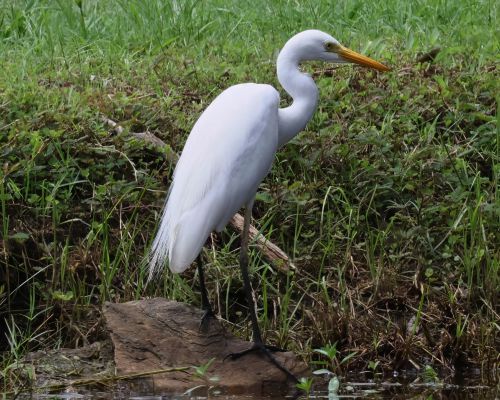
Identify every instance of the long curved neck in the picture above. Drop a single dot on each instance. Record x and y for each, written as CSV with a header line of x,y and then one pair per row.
x,y
302,89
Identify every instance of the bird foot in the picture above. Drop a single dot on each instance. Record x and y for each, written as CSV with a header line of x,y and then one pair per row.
x,y
208,315
267,350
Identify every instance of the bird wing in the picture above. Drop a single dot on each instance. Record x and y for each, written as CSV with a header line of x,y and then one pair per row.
x,y
226,156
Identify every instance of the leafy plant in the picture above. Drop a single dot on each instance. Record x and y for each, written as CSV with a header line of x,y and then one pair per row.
x,y
305,384
429,374
372,365
330,352
201,370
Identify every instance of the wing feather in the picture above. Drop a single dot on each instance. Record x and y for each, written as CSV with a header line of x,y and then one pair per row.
x,y
226,156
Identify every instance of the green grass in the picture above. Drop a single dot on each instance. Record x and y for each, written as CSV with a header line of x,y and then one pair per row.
x,y
388,202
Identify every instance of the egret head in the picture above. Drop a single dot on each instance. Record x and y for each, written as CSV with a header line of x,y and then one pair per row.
x,y
318,45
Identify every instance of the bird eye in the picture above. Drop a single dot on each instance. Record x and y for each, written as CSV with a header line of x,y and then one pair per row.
x,y
332,47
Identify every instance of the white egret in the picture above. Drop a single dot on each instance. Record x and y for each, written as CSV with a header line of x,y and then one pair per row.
x,y
229,152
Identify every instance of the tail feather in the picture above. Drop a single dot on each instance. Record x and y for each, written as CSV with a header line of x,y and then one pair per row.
x,y
181,236
158,254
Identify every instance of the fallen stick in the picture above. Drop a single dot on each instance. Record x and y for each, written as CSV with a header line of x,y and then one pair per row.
x,y
148,137
117,128
272,252
277,257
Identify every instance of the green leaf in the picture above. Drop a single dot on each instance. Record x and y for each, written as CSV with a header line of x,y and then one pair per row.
x,y
20,236
58,295
348,357
322,371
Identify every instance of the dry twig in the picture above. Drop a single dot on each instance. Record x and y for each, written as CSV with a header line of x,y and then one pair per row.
x,y
148,137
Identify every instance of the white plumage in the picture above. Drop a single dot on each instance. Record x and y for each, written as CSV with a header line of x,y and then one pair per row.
x,y
227,154
232,146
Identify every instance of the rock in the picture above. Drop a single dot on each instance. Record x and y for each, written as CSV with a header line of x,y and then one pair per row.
x,y
48,370
155,334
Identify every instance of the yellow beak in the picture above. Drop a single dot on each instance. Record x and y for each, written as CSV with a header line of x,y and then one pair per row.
x,y
357,58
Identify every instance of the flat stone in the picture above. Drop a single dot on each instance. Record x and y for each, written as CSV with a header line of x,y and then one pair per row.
x,y
154,334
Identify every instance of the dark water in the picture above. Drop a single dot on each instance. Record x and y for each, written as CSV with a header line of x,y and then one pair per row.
x,y
347,390
406,385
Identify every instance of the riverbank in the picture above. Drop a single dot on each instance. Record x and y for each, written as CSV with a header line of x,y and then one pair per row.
x,y
387,203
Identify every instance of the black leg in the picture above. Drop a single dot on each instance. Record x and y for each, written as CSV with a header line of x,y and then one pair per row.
x,y
205,303
257,337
